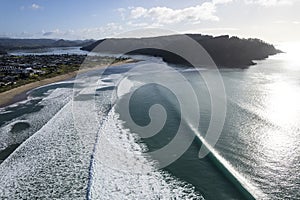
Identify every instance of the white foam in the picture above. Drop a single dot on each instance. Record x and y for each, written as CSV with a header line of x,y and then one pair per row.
x,y
51,164
121,171
125,86
8,138
52,104
54,162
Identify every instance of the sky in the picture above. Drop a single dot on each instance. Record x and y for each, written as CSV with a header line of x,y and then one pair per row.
x,y
270,20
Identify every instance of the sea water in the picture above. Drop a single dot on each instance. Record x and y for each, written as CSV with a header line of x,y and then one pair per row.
x,y
260,139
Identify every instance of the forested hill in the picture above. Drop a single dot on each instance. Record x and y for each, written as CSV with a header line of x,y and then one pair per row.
x,y
226,52
7,44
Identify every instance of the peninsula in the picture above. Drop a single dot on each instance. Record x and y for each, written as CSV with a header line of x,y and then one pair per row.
x,y
226,52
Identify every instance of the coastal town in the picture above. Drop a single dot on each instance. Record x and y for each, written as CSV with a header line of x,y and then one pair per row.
x,y
16,70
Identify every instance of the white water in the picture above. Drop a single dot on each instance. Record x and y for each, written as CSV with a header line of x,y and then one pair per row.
x,y
54,162
52,104
121,171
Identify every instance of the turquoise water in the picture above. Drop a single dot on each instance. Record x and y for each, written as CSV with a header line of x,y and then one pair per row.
x,y
260,140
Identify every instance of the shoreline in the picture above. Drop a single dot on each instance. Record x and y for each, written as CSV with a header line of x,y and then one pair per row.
x,y
18,94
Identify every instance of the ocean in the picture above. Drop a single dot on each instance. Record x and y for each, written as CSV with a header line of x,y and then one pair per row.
x,y
74,139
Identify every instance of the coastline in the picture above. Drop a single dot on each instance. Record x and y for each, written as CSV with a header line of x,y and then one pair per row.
x,y
20,93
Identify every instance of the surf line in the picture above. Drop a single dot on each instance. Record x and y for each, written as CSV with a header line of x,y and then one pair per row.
x,y
91,167
92,160
243,186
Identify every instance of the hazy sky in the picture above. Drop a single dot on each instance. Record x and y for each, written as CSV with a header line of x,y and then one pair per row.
x,y
270,20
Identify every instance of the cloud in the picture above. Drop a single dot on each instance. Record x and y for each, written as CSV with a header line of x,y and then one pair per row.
x,y
107,30
142,24
287,22
268,3
164,15
280,22
218,29
48,33
221,1
51,33
138,12
122,12
211,31
35,7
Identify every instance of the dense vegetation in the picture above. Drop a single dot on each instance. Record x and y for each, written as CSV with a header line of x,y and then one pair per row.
x,y
229,52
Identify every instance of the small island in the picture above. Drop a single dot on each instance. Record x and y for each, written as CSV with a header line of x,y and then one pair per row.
x,y
226,51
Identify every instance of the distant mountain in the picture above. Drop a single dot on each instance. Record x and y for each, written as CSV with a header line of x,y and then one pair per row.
x,y
7,44
226,52
68,43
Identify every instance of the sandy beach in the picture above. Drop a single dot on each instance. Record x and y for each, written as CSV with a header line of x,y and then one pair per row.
x,y
17,94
